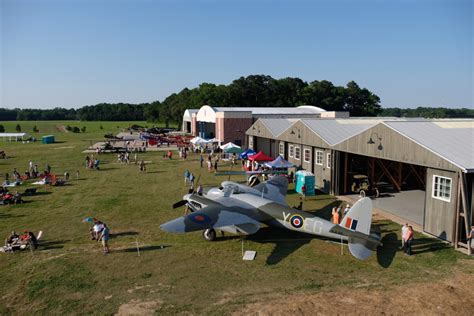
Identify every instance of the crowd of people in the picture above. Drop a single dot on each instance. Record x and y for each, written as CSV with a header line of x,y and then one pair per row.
x,y
92,163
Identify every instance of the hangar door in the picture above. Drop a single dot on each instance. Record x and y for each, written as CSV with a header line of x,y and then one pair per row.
x,y
401,186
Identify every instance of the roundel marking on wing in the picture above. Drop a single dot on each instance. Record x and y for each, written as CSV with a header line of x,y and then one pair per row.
x,y
199,218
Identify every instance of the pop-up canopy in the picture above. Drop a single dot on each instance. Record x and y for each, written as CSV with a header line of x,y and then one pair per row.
x,y
259,157
247,153
198,141
231,148
279,162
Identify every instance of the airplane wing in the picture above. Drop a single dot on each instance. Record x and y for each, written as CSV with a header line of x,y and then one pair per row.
x,y
213,216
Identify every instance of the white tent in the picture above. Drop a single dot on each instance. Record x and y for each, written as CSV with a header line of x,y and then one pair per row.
x,y
229,145
199,141
214,140
14,136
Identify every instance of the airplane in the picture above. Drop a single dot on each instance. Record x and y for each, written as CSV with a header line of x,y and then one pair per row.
x,y
239,209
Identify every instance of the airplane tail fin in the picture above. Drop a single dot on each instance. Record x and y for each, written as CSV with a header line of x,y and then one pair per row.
x,y
358,221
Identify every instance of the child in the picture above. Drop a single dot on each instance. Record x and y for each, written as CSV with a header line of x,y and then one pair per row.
x,y
105,239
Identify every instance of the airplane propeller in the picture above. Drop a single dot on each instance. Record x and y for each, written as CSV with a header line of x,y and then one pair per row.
x,y
180,203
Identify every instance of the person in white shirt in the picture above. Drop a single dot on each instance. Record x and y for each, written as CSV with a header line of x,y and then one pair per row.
x,y
404,232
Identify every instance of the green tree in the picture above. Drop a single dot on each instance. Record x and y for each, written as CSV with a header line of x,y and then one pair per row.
x,y
83,129
76,129
35,129
2,129
18,128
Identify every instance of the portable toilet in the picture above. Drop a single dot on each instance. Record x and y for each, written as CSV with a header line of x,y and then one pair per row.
x,y
306,178
48,139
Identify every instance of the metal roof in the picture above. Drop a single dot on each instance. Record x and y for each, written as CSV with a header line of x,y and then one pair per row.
x,y
334,131
305,109
277,126
452,140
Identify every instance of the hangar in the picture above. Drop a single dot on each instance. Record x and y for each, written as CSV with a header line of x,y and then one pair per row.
x,y
422,168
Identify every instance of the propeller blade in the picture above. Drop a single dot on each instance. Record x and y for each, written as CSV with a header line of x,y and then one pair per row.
x,y
180,203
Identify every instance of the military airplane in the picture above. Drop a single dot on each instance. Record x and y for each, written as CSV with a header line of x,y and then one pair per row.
x,y
240,209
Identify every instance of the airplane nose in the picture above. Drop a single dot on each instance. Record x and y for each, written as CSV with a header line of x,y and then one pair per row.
x,y
175,226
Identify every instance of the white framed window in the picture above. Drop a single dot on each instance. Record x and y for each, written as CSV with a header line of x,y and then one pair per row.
x,y
328,160
291,149
441,188
282,149
306,155
319,157
297,153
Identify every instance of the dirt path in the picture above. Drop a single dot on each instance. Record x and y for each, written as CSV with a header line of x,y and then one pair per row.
x,y
447,297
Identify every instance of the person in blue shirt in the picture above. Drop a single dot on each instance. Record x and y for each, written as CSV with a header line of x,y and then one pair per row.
x,y
104,236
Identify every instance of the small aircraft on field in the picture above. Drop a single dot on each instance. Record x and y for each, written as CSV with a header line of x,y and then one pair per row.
x,y
237,208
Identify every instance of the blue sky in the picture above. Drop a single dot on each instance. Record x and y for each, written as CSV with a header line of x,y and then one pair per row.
x,y
80,52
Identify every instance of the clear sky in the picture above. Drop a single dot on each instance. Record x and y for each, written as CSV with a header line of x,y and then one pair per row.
x,y
72,53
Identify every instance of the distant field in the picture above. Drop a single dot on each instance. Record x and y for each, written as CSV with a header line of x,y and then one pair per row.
x,y
69,274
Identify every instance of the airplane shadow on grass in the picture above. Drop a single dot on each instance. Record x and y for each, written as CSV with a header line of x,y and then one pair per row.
x,y
286,242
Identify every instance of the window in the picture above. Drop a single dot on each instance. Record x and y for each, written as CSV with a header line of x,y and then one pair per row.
x,y
282,149
297,153
442,188
328,160
290,151
319,157
307,156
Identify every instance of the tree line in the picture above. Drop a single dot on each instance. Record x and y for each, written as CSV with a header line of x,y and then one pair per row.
x,y
250,91
427,112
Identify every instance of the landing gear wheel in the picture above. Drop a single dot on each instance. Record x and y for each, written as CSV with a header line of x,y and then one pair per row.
x,y
209,234
362,193
377,193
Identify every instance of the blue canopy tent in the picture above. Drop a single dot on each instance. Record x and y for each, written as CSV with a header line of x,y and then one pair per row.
x,y
247,153
279,162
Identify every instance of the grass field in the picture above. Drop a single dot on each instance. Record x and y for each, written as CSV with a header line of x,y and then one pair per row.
x,y
69,274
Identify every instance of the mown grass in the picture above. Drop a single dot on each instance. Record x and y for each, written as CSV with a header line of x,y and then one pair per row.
x,y
69,274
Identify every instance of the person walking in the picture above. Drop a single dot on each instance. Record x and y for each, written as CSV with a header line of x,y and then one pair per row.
x,y
186,177
215,165
201,160
408,240
104,236
404,232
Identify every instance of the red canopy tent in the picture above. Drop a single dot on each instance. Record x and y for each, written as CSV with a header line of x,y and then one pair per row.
x,y
260,156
